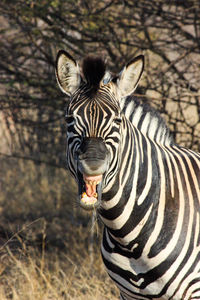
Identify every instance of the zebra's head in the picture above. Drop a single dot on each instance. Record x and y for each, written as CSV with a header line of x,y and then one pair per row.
x,y
94,120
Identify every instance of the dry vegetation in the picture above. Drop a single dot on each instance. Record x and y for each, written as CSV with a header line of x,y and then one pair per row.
x,y
47,246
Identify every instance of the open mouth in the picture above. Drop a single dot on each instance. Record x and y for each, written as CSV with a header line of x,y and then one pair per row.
x,y
90,190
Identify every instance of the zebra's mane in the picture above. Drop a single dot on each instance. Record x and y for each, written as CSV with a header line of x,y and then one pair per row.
x,y
147,119
93,70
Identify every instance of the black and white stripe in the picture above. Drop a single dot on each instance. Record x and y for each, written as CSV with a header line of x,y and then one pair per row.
x,y
151,247
151,194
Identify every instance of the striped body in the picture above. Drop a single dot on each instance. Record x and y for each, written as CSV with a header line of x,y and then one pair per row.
x,y
151,244
148,187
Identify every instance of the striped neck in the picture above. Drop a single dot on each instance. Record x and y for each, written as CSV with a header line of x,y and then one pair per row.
x,y
147,120
131,198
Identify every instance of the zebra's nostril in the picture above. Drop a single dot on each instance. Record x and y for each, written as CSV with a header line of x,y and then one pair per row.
x,y
92,150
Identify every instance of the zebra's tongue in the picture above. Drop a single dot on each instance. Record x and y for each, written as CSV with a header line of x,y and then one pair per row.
x,y
90,189
92,193
91,184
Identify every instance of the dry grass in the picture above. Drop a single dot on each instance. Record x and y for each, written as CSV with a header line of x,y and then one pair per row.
x,y
45,240
31,274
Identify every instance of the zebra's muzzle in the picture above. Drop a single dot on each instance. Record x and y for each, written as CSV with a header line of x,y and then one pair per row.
x,y
92,164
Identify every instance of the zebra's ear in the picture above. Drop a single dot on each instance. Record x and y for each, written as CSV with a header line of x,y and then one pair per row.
x,y
130,76
67,73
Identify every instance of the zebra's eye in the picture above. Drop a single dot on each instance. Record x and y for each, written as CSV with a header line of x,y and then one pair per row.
x,y
118,120
69,119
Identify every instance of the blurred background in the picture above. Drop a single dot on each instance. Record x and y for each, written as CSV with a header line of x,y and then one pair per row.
x,y
49,248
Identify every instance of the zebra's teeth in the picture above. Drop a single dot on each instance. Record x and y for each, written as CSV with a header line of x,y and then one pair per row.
x,y
92,182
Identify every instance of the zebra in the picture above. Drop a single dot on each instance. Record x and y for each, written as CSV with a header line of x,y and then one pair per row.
x,y
145,187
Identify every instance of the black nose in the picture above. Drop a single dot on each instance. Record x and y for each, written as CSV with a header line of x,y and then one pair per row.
x,y
92,148
93,156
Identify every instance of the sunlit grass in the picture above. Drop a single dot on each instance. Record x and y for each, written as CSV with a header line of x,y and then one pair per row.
x,y
53,276
47,247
